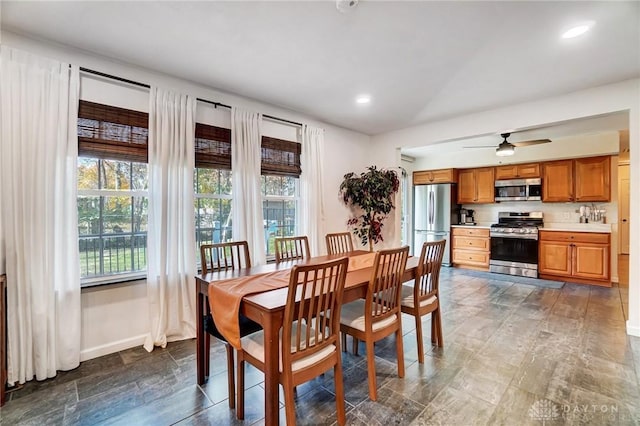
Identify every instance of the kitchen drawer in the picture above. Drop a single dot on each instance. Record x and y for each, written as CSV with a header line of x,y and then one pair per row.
x,y
470,243
469,257
471,232
576,237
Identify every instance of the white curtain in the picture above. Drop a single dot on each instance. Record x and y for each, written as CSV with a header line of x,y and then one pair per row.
x,y
246,158
311,188
38,217
171,245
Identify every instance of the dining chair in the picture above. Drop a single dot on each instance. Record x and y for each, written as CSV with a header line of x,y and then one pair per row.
x,y
339,242
219,257
291,248
422,296
309,344
378,315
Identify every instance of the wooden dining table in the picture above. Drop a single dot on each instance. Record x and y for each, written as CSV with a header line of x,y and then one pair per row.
x,y
267,309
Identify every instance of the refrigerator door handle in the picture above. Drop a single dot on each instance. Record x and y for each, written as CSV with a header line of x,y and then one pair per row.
x,y
431,207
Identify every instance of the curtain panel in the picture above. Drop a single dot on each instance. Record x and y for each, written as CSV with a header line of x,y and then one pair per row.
x,y
38,213
248,222
171,228
312,188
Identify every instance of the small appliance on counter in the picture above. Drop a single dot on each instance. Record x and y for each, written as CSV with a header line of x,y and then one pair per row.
x,y
466,217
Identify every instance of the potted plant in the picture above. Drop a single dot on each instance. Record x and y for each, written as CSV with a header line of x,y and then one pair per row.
x,y
370,196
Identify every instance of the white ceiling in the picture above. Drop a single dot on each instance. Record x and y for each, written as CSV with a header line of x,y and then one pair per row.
x,y
553,131
420,61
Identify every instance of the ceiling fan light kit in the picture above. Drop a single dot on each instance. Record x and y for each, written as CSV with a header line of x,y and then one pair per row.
x,y
505,149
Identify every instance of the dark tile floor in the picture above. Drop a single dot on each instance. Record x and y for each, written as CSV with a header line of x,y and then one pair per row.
x,y
514,354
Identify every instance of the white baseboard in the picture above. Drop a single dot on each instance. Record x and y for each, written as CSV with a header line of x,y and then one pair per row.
x,y
633,330
109,348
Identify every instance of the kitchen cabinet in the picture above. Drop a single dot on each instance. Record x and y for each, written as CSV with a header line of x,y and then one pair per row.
x,y
518,171
579,180
476,186
582,257
427,177
593,179
471,248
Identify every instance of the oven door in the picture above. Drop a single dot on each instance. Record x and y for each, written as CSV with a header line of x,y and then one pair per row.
x,y
514,249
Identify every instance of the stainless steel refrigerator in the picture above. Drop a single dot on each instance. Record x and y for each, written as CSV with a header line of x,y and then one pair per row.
x,y
434,210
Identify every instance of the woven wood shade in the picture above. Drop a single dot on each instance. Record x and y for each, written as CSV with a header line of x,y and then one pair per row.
x,y
112,133
213,147
280,157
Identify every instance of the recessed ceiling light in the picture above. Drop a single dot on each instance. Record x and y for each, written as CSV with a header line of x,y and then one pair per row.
x,y
577,30
363,99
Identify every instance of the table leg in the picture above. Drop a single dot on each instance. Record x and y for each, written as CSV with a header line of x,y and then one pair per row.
x,y
199,334
271,363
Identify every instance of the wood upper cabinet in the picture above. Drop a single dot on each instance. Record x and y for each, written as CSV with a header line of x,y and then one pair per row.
x,y
518,171
476,185
575,256
593,179
580,180
426,177
557,181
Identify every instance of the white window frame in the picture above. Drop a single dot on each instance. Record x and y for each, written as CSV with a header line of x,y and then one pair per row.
x,y
295,198
117,277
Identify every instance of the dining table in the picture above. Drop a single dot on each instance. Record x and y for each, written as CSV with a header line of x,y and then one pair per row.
x,y
267,309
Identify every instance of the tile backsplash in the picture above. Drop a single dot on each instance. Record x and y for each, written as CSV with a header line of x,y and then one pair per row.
x,y
553,212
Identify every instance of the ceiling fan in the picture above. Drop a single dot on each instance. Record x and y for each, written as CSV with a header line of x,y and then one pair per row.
x,y
507,148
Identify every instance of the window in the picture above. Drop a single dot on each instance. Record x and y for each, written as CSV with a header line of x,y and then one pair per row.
x,y
280,192
112,192
212,185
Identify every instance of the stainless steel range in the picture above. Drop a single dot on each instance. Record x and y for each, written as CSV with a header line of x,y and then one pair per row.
x,y
514,243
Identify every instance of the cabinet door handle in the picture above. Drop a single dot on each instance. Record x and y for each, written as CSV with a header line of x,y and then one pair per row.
x,y
624,220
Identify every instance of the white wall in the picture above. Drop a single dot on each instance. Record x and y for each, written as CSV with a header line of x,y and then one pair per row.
x,y
622,96
115,317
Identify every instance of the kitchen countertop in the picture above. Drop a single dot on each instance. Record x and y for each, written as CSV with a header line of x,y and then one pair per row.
x,y
577,227
478,225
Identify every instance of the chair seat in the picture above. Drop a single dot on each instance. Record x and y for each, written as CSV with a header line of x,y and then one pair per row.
x,y
407,298
353,316
253,344
247,327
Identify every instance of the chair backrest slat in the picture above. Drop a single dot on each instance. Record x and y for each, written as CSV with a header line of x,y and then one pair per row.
x,y
291,248
224,256
429,270
313,305
383,294
339,242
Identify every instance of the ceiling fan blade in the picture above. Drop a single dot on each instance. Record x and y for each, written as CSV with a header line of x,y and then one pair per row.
x,y
480,146
531,142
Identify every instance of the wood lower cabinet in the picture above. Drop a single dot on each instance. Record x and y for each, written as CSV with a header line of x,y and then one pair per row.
x,y
426,177
518,171
471,248
581,257
476,186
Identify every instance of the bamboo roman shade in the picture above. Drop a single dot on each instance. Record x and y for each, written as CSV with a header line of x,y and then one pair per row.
x,y
114,133
213,147
280,157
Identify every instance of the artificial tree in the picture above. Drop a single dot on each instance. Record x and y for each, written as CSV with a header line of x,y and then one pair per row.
x,y
370,196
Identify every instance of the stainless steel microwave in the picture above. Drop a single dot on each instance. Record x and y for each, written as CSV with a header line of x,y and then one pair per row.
x,y
518,190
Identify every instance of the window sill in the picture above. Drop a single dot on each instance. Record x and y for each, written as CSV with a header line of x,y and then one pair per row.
x,y
112,279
